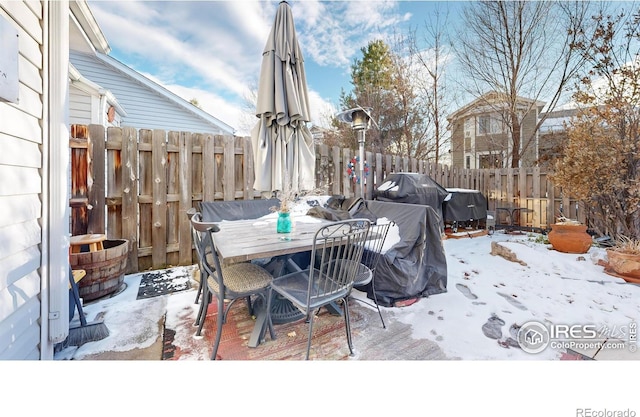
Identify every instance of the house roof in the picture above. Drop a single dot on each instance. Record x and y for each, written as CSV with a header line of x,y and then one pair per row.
x,y
84,32
488,102
161,90
557,120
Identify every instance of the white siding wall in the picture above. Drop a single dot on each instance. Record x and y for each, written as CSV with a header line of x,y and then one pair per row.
x,y
20,187
145,108
79,107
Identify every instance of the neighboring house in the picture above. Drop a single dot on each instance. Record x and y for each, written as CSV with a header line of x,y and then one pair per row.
x,y
318,133
137,101
479,135
553,134
89,103
36,84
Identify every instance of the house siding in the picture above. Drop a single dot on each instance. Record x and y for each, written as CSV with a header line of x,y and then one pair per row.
x,y
457,146
79,107
20,201
145,107
530,154
475,144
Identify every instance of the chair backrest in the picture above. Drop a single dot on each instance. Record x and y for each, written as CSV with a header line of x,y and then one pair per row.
x,y
208,260
337,253
374,245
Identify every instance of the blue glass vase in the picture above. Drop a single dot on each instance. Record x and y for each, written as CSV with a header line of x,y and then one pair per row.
x,y
284,222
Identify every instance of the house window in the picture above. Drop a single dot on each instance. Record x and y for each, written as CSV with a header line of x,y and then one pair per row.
x,y
468,124
468,162
490,161
488,125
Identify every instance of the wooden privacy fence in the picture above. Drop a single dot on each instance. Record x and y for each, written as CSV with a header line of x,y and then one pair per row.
x,y
138,184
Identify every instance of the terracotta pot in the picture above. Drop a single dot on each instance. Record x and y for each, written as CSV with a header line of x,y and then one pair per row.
x,y
570,238
624,264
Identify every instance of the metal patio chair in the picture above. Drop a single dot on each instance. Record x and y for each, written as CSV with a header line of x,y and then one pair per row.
x,y
196,238
336,255
372,252
218,211
227,284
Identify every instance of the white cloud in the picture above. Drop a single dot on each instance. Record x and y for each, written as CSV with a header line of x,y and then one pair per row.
x,y
210,50
320,109
171,53
332,33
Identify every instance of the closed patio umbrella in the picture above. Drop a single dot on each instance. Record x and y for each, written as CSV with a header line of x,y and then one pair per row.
x,y
283,149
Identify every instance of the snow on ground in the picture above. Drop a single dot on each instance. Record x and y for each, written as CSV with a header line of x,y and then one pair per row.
x,y
550,287
493,376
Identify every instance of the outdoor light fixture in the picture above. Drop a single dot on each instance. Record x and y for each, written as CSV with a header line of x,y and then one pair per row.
x,y
360,118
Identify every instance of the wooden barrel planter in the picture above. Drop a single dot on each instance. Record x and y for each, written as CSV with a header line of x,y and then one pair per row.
x,y
105,269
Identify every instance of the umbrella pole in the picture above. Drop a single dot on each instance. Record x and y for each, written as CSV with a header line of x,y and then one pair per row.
x,y
361,162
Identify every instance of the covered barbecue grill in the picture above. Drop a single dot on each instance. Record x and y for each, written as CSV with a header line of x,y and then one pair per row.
x,y
412,188
464,205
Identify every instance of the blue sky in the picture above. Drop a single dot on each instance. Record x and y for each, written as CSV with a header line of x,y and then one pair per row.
x,y
211,50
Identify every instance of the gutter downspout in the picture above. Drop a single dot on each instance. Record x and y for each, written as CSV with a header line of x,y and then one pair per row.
x,y
55,177
102,118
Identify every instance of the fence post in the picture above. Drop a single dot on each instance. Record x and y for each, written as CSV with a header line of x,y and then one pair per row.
x,y
248,168
129,192
368,178
228,176
522,192
79,172
96,186
551,203
209,164
185,255
379,173
336,176
114,182
159,207
346,181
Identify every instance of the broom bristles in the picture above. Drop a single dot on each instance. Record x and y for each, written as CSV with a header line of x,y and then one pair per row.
x,y
92,332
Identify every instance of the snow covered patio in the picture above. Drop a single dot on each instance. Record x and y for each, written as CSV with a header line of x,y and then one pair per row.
x,y
489,298
473,322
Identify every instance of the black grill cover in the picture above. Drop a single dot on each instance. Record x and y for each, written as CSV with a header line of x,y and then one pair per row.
x,y
416,266
464,205
414,188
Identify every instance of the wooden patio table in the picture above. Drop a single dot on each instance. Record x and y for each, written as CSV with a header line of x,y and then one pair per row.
x,y
247,240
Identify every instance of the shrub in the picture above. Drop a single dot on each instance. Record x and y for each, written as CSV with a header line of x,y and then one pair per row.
x,y
600,163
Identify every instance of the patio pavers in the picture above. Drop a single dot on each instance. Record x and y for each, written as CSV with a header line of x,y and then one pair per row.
x,y
371,341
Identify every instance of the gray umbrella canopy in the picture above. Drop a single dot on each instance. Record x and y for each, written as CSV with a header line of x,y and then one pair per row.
x,y
283,150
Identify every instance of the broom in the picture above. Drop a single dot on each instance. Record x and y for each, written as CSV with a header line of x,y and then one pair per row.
x,y
86,332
